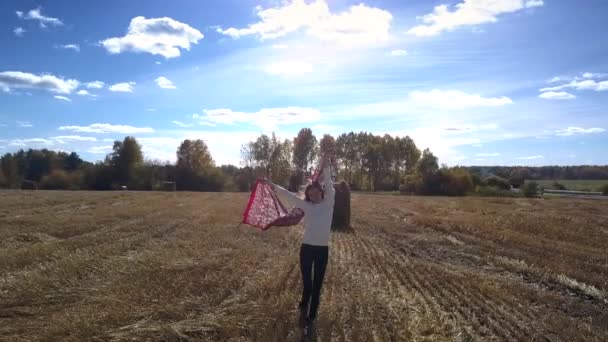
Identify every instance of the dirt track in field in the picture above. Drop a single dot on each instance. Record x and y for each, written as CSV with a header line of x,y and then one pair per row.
x,y
176,267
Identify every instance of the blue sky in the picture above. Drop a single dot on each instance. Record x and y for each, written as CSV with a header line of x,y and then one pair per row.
x,y
480,82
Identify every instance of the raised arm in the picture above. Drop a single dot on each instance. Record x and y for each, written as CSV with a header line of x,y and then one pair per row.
x,y
292,198
328,184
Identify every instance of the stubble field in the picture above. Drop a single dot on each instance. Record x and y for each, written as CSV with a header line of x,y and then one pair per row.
x,y
132,266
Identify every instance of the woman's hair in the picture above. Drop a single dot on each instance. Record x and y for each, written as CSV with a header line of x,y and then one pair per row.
x,y
313,185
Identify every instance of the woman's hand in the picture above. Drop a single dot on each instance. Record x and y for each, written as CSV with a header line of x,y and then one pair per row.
x,y
266,181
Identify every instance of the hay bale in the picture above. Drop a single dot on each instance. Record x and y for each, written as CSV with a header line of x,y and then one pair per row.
x,y
341,215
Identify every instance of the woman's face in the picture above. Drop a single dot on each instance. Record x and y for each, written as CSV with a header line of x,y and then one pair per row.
x,y
315,195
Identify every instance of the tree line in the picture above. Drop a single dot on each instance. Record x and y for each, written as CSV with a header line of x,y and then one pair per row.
x,y
544,172
125,166
365,161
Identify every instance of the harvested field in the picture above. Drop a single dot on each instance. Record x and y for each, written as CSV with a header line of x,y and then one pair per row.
x,y
129,266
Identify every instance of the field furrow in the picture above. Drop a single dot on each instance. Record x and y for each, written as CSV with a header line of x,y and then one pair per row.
x,y
129,266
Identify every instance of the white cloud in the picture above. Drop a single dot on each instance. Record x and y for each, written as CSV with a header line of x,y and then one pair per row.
x,y
495,154
455,99
74,47
223,146
586,84
579,130
107,128
555,79
24,124
203,122
125,87
552,95
95,85
164,83
280,46
99,149
359,25
266,118
27,142
467,13
289,68
22,80
157,36
534,3
398,53
83,92
207,123
62,139
62,98
19,31
35,14
532,157
151,109
157,63
181,124
593,75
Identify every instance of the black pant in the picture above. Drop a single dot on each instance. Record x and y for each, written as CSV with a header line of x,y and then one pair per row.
x,y
312,257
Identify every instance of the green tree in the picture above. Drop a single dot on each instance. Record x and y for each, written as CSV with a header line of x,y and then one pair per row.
x,y
409,153
280,160
304,149
72,162
125,157
10,168
262,150
346,153
427,165
327,147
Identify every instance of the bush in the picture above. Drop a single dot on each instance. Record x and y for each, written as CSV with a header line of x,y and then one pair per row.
x,y
61,180
455,181
530,189
411,184
604,189
558,186
492,191
98,177
498,182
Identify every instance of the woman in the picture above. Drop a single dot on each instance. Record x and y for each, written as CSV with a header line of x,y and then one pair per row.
x,y
318,207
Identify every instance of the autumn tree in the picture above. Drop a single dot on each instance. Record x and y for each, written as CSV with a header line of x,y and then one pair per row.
x,y
268,157
193,155
196,169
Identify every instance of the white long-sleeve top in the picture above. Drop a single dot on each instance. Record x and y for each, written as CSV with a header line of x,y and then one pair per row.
x,y
317,217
